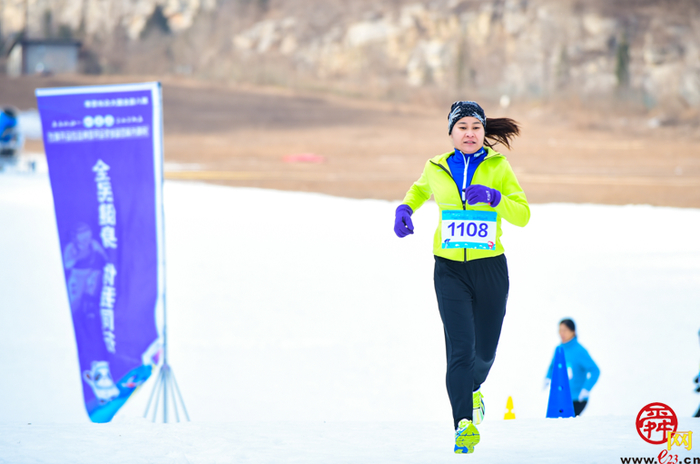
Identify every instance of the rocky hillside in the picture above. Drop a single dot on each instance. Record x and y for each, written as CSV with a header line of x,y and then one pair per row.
x,y
641,51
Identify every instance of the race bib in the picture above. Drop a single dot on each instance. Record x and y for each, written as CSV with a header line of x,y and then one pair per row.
x,y
469,229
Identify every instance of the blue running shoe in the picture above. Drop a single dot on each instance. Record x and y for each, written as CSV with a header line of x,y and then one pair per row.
x,y
466,437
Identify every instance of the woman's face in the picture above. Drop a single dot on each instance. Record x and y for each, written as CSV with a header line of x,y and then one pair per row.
x,y
565,333
468,135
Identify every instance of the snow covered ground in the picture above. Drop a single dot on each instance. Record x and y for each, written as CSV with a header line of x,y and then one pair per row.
x,y
324,344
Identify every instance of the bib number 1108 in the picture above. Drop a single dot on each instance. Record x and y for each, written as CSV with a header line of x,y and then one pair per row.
x,y
469,229
472,230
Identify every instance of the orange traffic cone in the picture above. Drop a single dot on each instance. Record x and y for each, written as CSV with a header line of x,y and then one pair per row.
x,y
510,414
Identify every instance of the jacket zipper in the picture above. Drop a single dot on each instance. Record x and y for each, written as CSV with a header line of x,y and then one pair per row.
x,y
464,202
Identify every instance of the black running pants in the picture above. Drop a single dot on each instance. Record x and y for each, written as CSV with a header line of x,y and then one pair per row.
x,y
472,298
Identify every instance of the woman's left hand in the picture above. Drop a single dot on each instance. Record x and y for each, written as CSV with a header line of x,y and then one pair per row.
x,y
481,194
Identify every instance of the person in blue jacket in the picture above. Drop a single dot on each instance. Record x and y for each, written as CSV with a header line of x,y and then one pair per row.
x,y
583,371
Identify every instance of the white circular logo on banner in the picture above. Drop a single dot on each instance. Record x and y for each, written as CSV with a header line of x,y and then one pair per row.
x,y
99,121
88,122
109,120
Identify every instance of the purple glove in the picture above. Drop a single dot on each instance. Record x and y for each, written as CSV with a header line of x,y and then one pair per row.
x,y
402,224
482,194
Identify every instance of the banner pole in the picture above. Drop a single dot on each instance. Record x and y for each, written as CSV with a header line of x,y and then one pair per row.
x,y
166,380
166,366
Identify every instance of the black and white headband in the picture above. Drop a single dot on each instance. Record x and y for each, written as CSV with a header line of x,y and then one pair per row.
x,y
462,109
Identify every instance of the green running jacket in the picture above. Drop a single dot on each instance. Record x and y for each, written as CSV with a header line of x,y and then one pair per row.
x,y
495,172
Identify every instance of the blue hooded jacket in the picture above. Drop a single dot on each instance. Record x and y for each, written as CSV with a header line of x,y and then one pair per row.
x,y
583,371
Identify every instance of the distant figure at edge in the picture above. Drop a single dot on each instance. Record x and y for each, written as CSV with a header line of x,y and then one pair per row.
x,y
697,385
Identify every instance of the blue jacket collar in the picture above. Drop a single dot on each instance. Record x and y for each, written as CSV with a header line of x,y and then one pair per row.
x,y
476,155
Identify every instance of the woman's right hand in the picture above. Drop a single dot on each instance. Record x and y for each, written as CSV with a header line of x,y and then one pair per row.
x,y
403,225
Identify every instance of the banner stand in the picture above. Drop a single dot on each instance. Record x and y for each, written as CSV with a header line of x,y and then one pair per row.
x,y
104,149
166,382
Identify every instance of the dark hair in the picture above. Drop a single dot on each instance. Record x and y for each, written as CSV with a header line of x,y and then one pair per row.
x,y
500,130
569,324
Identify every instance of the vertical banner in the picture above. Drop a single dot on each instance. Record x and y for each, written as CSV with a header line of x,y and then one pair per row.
x,y
104,148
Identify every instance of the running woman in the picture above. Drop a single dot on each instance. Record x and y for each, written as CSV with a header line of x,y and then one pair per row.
x,y
474,187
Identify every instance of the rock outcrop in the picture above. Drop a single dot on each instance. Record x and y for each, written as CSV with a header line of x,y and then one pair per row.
x,y
648,51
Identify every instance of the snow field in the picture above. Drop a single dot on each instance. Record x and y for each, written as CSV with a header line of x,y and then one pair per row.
x,y
302,330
